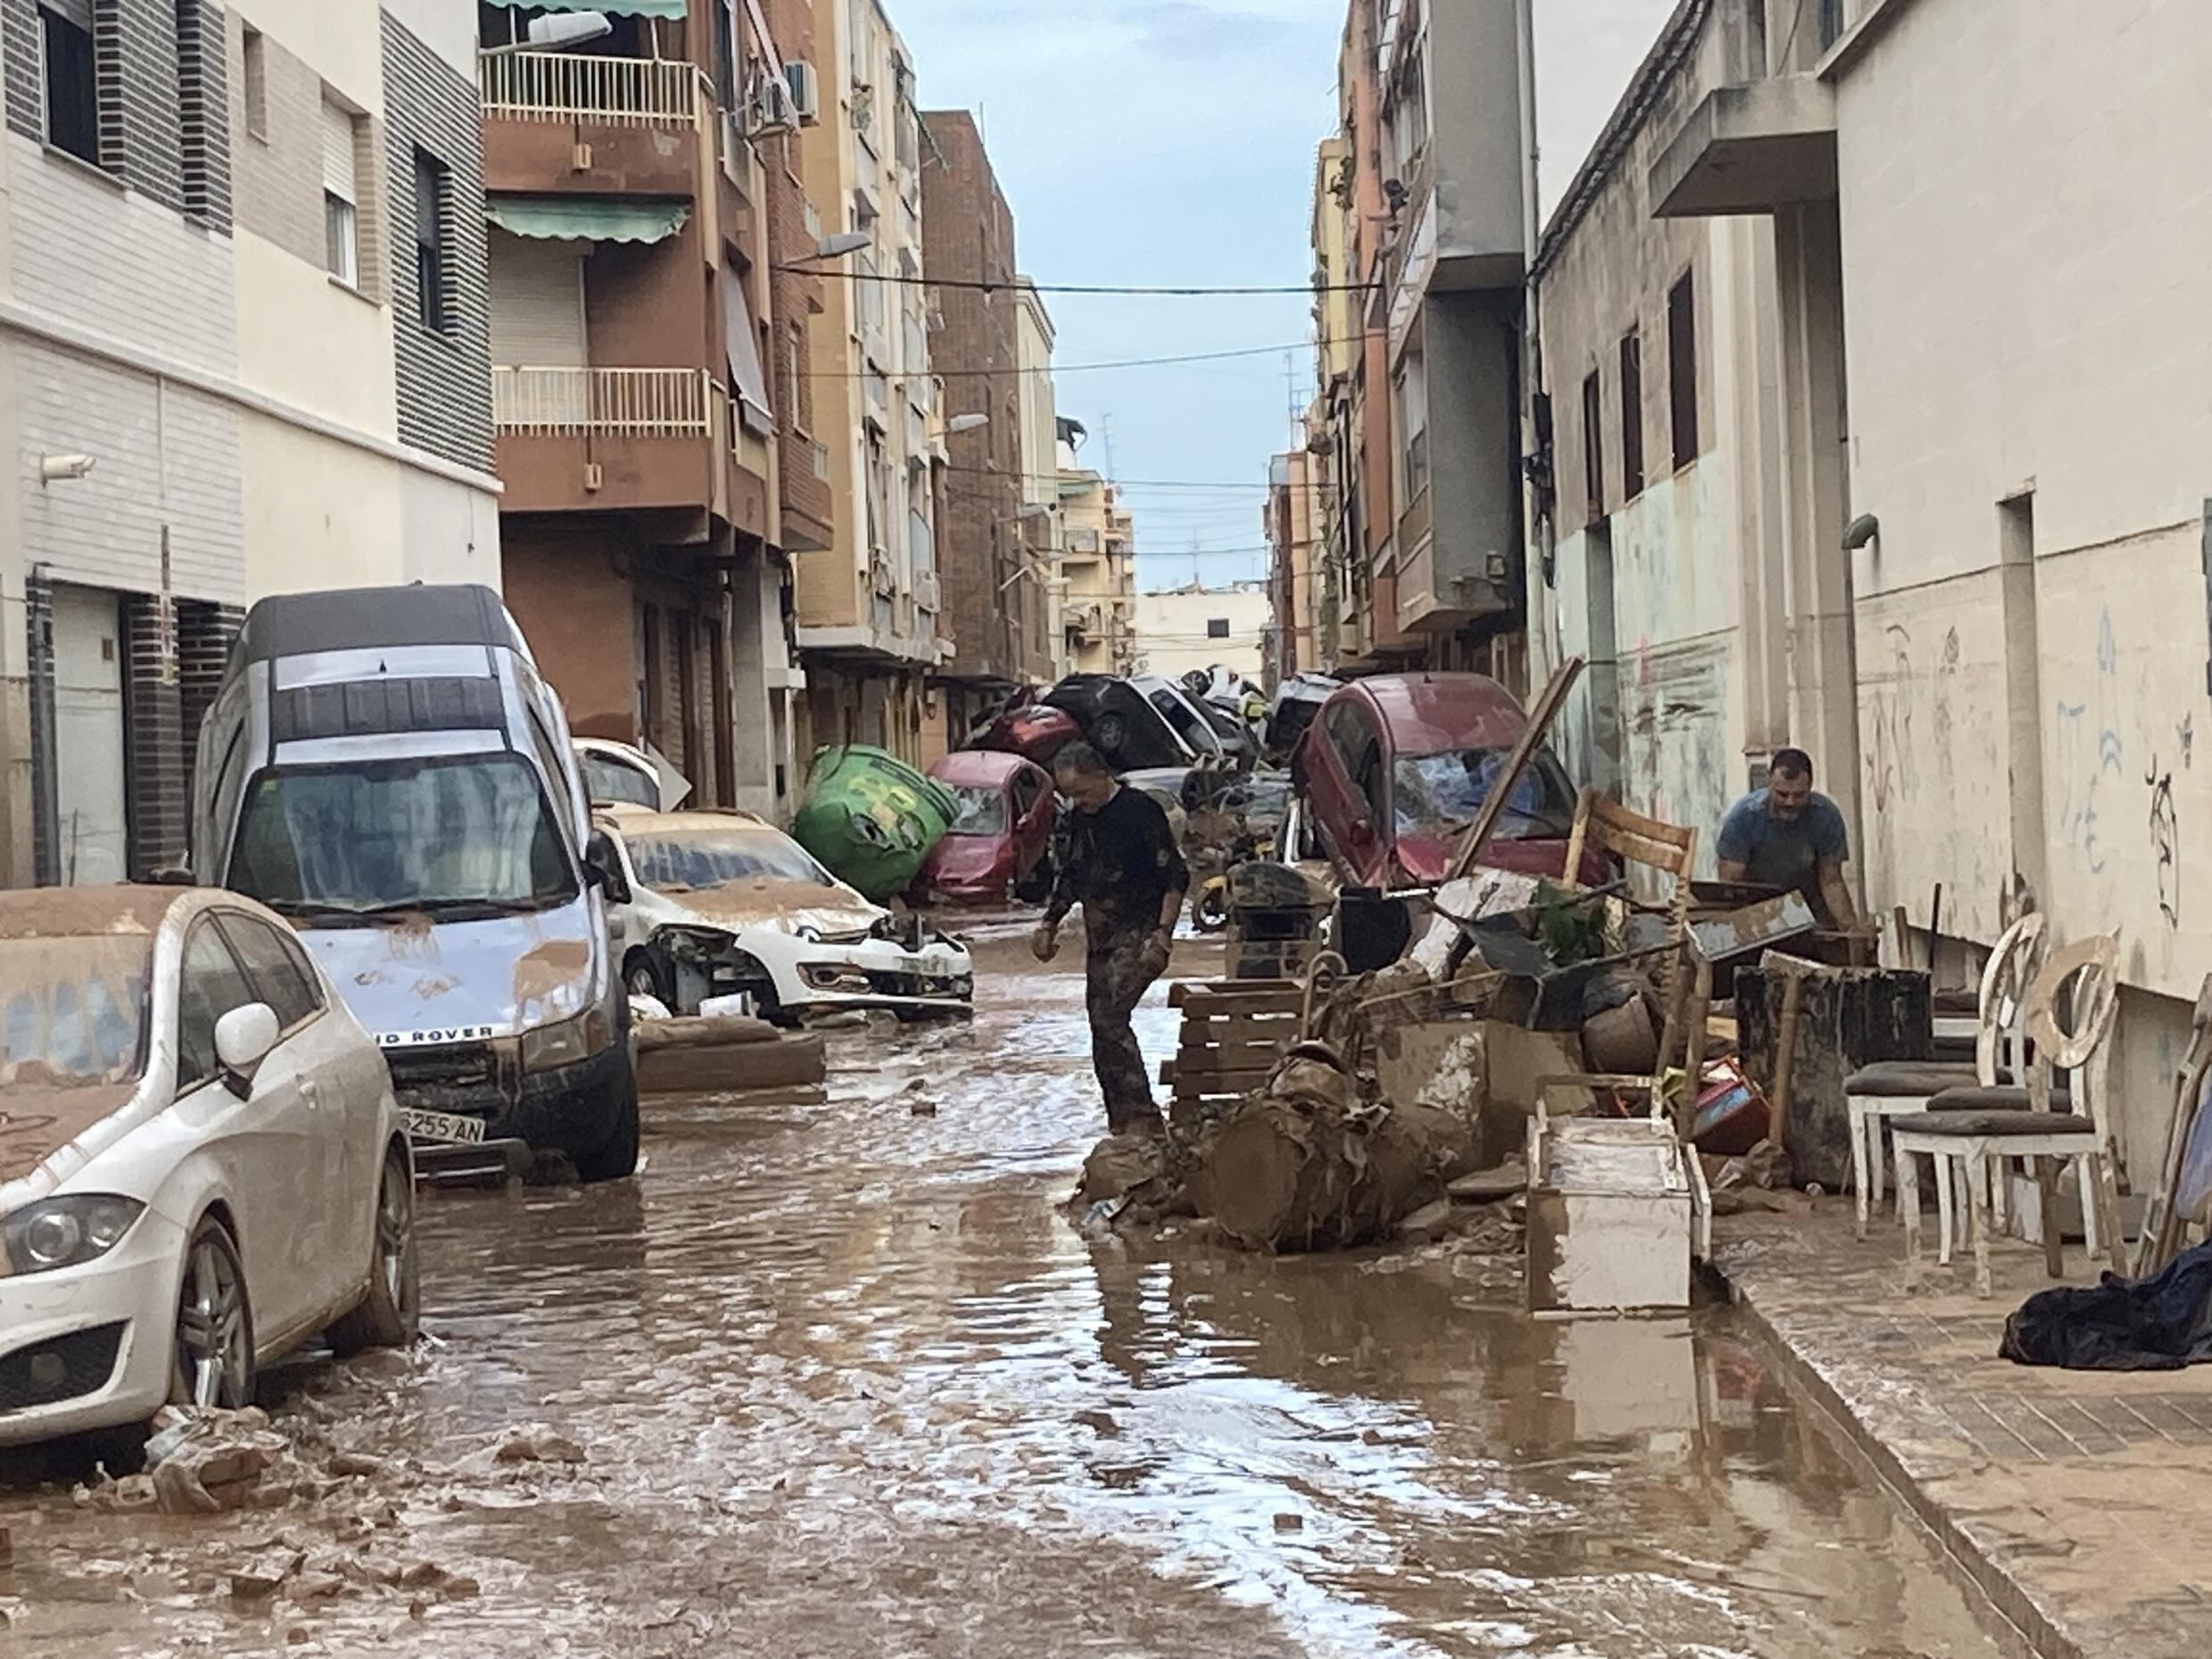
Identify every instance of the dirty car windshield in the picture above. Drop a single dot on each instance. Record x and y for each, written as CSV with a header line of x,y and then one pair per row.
x,y
1444,792
455,833
73,1009
609,781
678,862
982,811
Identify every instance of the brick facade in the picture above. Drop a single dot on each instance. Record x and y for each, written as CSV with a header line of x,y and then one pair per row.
x,y
154,770
38,629
444,374
279,170
967,236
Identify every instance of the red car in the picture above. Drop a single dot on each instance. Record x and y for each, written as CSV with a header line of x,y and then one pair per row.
x,y
1002,843
1395,768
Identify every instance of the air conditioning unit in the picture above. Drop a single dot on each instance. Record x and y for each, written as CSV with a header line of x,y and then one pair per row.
x,y
806,87
770,109
925,592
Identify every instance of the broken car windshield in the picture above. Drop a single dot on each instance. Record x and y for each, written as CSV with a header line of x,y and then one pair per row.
x,y
675,862
73,1009
982,810
1438,793
455,833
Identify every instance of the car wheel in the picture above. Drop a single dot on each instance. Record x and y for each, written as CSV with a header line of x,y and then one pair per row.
x,y
389,1314
1108,732
618,1157
213,1350
643,976
1209,908
1036,886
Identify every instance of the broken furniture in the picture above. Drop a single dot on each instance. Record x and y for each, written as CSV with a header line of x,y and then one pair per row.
x,y
1617,1207
1983,1128
1902,1088
1235,1033
1275,920
2174,1208
1845,1018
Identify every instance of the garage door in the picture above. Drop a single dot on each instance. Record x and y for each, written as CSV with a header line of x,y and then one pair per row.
x,y
92,842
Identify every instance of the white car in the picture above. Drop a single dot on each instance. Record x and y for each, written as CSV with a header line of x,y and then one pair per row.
x,y
201,1163
623,773
724,904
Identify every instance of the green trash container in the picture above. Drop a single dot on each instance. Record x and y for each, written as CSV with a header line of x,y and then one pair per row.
x,y
872,819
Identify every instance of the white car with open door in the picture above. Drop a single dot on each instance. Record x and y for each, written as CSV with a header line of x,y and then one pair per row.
x,y
201,1162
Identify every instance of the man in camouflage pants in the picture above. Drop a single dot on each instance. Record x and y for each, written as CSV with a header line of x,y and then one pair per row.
x,y
1122,865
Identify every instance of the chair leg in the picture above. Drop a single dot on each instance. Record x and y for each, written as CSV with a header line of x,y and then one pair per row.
x,y
1999,1199
1875,1120
2092,1220
2054,1247
1978,1177
1946,1211
1861,1122
2109,1210
1908,1209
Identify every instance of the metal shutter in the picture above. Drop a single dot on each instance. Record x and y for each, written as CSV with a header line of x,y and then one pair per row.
x,y
338,176
536,304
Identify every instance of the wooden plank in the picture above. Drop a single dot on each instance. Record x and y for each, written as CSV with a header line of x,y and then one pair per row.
x,y
1241,1029
1229,995
1508,779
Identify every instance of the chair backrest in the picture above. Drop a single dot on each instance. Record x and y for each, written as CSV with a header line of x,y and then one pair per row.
x,y
2000,1038
1605,823
2090,966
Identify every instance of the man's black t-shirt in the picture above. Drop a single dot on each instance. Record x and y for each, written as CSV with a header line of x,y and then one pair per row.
x,y
1120,864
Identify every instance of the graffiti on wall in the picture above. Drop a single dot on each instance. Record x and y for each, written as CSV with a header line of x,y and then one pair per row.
x,y
1889,739
2166,842
2083,787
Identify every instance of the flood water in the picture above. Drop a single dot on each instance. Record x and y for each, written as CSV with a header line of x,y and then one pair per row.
x,y
848,1383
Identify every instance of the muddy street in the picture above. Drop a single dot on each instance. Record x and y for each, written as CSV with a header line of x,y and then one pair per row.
x,y
837,1377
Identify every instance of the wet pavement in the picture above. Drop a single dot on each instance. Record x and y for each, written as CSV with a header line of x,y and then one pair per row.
x,y
846,1382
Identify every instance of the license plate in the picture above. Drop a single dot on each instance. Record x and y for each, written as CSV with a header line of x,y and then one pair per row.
x,y
444,1126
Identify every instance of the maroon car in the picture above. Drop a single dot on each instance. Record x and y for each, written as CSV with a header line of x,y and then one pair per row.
x,y
1001,845
1395,768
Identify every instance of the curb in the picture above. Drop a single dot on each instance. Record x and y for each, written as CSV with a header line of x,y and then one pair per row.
x,y
2006,1607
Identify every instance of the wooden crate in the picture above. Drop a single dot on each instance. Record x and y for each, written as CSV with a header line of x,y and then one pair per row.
x,y
1233,1032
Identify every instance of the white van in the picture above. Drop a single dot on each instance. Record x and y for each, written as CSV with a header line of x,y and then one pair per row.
x,y
384,768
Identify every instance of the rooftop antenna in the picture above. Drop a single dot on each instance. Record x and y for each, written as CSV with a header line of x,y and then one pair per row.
x,y
1106,437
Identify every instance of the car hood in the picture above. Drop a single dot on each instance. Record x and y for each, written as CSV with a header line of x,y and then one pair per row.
x,y
415,983
1427,858
42,1119
786,905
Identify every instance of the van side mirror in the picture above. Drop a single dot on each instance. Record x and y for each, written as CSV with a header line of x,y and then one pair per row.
x,y
602,867
243,1039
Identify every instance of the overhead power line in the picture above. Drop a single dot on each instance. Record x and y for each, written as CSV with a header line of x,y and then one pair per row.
x,y
1190,293
1072,368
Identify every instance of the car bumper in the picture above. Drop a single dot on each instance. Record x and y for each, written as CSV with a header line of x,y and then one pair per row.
x,y
877,973
89,1348
565,1108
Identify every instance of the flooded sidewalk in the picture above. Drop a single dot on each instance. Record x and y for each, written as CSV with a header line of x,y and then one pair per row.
x,y
838,1377
2074,1500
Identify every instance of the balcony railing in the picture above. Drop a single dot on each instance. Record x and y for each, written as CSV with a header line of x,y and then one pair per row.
x,y
608,92
609,402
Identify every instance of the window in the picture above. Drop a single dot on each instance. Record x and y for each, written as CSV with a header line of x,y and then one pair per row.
x,y
1217,627
1593,444
342,233
1682,367
210,985
1831,23
72,85
794,411
433,185
1631,416
1410,390
256,84
280,973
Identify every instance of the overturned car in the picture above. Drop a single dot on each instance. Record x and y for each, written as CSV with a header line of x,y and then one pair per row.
x,y
723,904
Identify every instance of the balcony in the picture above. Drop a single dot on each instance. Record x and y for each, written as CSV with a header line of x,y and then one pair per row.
x,y
559,121
571,439
1750,148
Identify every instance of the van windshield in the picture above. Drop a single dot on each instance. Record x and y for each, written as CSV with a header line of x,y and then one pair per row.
x,y
458,835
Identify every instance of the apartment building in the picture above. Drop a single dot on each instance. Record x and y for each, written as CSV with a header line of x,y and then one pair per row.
x,y
1298,559
1043,529
867,605
630,334
1179,630
995,539
1099,564
242,350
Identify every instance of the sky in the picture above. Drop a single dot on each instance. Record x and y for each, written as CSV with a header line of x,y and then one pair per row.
x,y
1172,142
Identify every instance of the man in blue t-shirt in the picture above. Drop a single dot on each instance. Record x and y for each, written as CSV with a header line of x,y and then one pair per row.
x,y
1788,835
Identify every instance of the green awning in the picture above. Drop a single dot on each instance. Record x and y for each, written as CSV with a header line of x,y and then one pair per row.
x,y
671,9
587,218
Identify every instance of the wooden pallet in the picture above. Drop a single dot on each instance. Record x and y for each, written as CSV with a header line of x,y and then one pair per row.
x,y
1234,1034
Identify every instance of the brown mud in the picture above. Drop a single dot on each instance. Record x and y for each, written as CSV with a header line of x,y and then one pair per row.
x,y
839,1378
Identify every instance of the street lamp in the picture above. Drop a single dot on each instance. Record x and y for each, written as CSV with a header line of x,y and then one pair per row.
x,y
967,423
844,243
64,468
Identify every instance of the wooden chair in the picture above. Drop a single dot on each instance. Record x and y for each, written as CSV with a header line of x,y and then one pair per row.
x,y
1984,1128
1603,824
1902,1088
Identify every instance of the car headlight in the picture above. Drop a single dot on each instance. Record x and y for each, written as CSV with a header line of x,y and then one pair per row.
x,y
569,1042
64,1232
